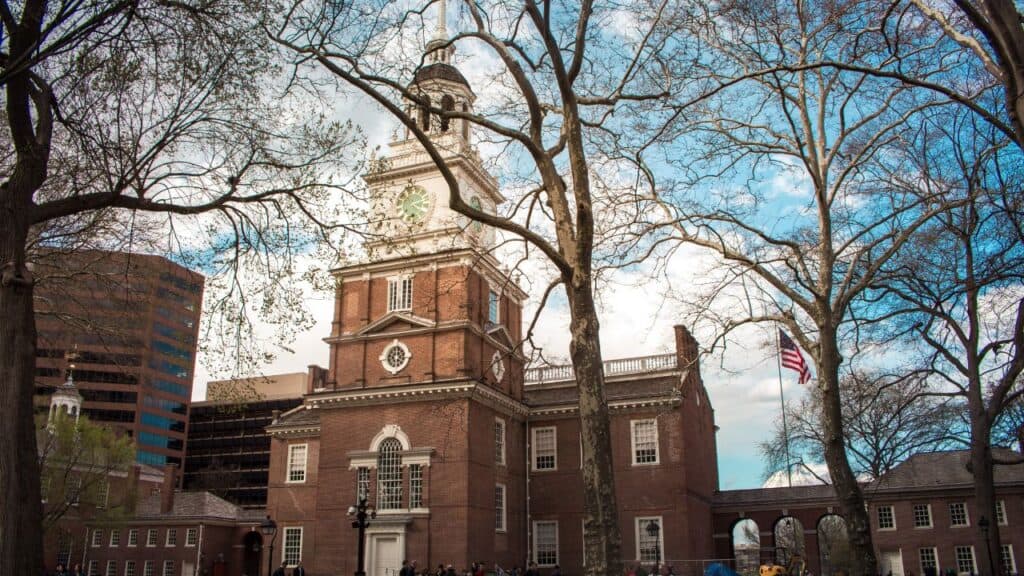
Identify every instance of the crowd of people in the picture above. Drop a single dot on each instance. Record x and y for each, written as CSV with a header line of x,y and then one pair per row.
x,y
475,569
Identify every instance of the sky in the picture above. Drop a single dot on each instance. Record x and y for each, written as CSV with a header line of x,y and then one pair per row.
x,y
743,381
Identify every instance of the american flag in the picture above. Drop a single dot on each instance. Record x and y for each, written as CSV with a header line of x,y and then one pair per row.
x,y
792,358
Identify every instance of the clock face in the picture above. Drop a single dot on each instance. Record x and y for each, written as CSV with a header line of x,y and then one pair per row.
x,y
413,204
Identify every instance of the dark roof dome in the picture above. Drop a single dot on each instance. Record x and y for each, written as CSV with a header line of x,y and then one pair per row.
x,y
440,71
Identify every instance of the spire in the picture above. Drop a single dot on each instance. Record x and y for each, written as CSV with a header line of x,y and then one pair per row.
x,y
436,49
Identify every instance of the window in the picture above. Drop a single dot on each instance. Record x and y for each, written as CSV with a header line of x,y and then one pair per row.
x,y
297,463
129,568
111,568
292,544
65,545
147,568
74,491
172,537
929,558
648,547
922,516
415,486
389,475
362,483
499,507
886,519
133,537
965,560
958,514
94,568
544,453
104,496
151,537
1001,512
115,538
1006,557
168,567
400,293
499,441
493,307
97,538
395,357
645,441
191,537
545,543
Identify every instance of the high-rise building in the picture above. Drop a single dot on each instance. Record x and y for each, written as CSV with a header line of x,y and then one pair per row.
x,y
127,325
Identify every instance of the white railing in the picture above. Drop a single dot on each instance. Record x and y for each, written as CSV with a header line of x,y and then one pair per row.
x,y
616,367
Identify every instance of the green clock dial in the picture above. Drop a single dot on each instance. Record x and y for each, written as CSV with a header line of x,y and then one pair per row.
x,y
476,226
413,204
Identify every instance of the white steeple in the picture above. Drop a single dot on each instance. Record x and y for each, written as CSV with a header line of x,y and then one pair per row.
x,y
66,399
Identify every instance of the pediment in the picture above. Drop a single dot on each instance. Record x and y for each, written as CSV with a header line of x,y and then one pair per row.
x,y
499,333
395,322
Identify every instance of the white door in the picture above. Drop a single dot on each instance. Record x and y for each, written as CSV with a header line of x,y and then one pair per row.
x,y
892,563
188,569
385,555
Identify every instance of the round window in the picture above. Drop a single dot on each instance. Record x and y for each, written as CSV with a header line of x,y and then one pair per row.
x,y
395,357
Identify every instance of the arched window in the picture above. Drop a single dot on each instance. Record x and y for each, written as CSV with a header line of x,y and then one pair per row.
x,y
789,539
746,546
425,113
833,545
389,475
448,105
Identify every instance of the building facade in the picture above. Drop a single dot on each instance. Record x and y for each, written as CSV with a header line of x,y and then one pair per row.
x,y
129,325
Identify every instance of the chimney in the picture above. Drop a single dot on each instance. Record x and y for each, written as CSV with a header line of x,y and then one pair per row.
x,y
686,350
274,415
167,490
132,489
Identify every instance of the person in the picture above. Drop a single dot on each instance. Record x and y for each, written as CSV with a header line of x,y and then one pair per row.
x,y
531,570
77,570
450,571
557,571
59,571
478,569
407,569
280,570
440,570
299,570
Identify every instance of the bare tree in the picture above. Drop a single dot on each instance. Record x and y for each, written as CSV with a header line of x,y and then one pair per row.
x,y
576,89
886,419
142,115
954,296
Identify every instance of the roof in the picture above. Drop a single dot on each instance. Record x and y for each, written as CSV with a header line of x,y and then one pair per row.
x,y
943,469
440,71
788,495
189,505
303,416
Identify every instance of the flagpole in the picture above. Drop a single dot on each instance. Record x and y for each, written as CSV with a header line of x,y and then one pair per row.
x,y
782,400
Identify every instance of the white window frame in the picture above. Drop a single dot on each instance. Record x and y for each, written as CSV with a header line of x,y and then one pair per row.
x,y
499,441
501,508
967,515
191,537
115,538
168,568
1001,518
151,538
891,518
171,538
928,510
533,447
974,559
147,568
935,556
133,537
129,568
633,441
535,548
111,568
493,306
415,486
94,568
639,526
97,537
284,545
104,500
1013,561
295,473
400,293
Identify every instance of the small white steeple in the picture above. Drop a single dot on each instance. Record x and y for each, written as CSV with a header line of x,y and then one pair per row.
x,y
66,399
436,50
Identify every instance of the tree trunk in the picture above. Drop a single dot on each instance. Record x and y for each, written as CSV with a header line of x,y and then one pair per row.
x,y
844,482
604,540
987,549
21,521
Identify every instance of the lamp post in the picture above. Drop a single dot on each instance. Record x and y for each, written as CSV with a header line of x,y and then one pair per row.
x,y
362,512
983,524
269,528
653,530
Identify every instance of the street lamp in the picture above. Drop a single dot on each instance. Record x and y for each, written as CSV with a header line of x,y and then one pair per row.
x,y
983,524
269,528
653,529
362,512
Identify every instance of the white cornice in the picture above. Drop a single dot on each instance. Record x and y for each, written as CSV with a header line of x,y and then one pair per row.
x,y
418,393
616,405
